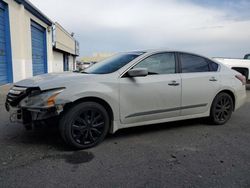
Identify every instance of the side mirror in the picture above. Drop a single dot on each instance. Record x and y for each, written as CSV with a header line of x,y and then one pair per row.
x,y
138,72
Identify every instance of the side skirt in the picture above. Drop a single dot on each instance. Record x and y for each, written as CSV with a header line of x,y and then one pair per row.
x,y
116,125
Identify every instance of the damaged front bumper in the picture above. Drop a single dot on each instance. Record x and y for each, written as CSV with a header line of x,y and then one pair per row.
x,y
27,105
28,115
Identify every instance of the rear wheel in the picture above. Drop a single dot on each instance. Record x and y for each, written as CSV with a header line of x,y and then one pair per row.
x,y
84,125
221,109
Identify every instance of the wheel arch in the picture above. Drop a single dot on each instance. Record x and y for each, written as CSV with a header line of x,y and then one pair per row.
x,y
229,92
98,100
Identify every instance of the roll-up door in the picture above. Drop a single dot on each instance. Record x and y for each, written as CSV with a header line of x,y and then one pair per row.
x,y
39,52
5,50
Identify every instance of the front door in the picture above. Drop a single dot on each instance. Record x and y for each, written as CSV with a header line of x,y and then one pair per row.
x,y
153,96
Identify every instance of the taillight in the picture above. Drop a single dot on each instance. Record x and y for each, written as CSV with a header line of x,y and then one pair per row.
x,y
241,78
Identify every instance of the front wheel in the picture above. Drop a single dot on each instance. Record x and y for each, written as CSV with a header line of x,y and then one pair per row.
x,y
221,109
84,125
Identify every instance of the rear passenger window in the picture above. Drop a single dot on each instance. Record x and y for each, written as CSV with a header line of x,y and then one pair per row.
x,y
213,66
193,63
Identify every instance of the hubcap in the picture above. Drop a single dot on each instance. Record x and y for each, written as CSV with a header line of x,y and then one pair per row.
x,y
223,108
88,126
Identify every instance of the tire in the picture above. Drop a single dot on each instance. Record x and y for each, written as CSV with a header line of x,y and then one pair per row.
x,y
84,125
222,108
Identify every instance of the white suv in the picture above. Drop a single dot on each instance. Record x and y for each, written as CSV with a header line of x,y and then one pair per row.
x,y
126,90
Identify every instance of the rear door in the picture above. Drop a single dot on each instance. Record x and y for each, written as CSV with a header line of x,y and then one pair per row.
x,y
153,97
200,83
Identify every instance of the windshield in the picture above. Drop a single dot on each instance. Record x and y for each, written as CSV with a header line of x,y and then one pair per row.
x,y
112,64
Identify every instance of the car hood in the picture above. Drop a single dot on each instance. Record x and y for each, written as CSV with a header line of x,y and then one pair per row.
x,y
56,80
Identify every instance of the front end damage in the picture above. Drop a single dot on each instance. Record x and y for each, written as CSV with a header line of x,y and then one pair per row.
x,y
29,105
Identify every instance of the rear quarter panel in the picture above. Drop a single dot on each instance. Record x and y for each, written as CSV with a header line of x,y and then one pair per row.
x,y
231,83
242,63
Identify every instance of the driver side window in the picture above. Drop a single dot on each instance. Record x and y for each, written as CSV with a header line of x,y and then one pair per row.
x,y
162,63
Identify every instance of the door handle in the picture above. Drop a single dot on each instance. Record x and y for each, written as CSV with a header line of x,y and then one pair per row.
x,y
213,79
173,83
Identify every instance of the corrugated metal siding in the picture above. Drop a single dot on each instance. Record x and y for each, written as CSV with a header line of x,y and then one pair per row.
x,y
3,53
39,52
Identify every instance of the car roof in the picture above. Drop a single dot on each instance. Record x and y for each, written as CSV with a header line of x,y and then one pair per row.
x,y
140,52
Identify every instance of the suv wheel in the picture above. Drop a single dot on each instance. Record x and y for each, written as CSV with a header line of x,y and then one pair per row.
x,y
221,109
84,125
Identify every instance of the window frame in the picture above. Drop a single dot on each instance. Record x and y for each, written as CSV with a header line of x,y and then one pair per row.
x,y
206,59
210,66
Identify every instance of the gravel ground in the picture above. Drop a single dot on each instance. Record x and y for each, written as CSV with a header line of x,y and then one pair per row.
x,y
178,154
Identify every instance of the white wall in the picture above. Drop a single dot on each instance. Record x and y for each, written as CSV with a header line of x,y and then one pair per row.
x,y
21,47
57,61
20,34
70,63
63,40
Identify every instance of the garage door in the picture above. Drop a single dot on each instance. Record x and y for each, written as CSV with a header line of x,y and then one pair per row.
x,y
5,62
39,54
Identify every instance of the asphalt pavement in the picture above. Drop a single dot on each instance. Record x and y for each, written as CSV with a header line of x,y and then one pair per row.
x,y
179,154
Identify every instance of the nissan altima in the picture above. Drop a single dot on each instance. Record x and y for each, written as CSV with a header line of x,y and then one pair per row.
x,y
128,89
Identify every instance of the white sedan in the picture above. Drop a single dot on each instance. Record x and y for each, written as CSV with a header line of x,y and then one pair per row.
x,y
126,90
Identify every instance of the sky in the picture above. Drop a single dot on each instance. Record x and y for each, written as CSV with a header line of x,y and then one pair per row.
x,y
215,28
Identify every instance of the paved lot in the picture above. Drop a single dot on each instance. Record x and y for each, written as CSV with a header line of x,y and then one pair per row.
x,y
180,154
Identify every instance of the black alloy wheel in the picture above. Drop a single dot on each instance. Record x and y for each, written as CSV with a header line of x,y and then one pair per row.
x,y
85,125
88,126
222,108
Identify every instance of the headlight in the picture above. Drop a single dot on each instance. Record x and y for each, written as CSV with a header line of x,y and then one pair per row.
x,y
52,98
43,99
